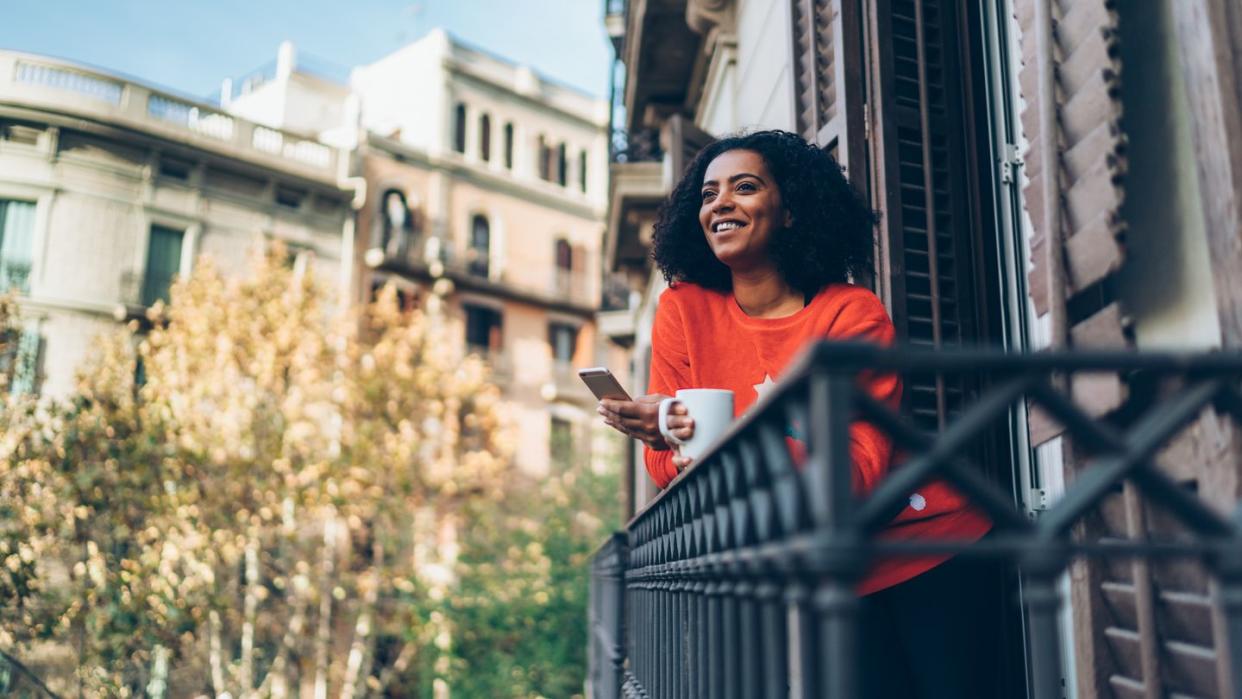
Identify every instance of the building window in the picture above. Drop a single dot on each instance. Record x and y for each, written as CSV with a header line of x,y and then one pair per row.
x,y
479,256
290,197
508,146
163,263
396,224
485,138
459,129
16,244
484,326
545,160
564,268
20,350
582,171
561,165
561,444
563,338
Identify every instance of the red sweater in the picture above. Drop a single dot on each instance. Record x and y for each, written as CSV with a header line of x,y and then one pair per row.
x,y
703,339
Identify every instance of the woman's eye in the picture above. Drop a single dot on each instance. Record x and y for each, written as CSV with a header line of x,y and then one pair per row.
x,y
708,195
745,187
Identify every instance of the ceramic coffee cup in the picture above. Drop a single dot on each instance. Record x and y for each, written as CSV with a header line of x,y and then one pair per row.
x,y
712,411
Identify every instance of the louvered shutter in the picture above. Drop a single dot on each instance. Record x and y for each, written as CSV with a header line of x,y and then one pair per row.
x,y
1146,629
828,80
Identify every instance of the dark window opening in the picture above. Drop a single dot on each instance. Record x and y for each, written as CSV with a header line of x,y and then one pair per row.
x,y
459,129
163,264
485,138
176,169
397,227
480,246
582,171
290,196
484,327
508,146
545,160
561,166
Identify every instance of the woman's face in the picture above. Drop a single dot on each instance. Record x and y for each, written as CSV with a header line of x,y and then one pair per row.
x,y
741,208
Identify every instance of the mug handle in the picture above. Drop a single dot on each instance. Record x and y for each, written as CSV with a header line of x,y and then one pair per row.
x,y
662,419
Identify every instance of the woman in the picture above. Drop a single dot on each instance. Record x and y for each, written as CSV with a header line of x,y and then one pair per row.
x,y
758,242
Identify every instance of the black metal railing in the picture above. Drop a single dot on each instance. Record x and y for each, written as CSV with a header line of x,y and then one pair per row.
x,y
637,146
607,654
739,578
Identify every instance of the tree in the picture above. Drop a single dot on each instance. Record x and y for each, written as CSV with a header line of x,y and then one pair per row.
x,y
251,498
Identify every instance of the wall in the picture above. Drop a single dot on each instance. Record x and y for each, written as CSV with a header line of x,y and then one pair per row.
x,y
765,91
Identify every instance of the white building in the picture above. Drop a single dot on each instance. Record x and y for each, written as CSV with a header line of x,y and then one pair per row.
x,y
109,188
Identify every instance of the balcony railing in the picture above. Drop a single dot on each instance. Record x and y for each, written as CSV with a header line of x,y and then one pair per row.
x,y
641,146
436,257
44,83
738,580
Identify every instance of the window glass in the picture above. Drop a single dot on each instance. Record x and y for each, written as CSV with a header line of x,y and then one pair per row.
x,y
509,146
459,129
163,263
16,244
483,329
485,137
563,337
480,246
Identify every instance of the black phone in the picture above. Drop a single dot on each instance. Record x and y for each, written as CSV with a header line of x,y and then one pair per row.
x,y
603,384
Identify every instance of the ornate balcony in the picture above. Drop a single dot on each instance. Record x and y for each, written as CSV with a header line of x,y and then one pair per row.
x,y
738,579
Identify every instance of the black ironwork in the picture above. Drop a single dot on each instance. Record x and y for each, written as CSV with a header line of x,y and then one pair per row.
x,y
739,578
639,146
607,619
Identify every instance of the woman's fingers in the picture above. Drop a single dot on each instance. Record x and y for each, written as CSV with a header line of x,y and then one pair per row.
x,y
681,462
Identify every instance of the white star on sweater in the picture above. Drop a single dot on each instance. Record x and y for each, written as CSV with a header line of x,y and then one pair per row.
x,y
762,388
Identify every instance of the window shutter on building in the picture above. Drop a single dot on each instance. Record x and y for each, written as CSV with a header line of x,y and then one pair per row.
x,y
1086,202
1144,629
828,79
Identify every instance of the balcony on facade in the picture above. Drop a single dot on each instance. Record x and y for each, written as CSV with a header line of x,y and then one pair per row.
x,y
637,187
738,579
428,258
617,319
49,86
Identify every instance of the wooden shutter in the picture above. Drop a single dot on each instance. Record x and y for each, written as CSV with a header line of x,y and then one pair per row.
x,y
828,79
1149,629
923,185
1081,210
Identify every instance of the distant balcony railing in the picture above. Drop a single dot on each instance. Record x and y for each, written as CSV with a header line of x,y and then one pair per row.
x,y
437,257
738,580
14,275
44,83
640,146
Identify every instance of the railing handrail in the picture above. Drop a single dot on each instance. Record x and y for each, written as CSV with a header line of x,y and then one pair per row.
x,y
786,541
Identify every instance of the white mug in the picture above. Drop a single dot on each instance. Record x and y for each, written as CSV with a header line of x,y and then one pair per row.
x,y
712,411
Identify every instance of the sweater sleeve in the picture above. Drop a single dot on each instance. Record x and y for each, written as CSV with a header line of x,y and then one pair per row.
x,y
864,318
670,370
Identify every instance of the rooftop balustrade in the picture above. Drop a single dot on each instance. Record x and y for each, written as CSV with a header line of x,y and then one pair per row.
x,y
54,86
738,579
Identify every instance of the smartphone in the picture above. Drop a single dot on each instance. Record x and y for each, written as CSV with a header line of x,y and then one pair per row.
x,y
603,384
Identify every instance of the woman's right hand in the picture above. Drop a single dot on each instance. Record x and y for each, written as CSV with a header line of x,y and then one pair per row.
x,y
639,418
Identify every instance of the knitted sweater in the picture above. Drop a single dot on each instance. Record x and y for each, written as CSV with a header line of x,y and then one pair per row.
x,y
703,339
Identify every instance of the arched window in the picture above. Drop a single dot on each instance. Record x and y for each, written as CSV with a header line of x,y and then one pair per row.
x,y
480,246
396,224
485,137
508,145
459,128
564,255
561,165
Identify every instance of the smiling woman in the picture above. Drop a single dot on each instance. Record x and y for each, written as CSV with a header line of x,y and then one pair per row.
x,y
759,242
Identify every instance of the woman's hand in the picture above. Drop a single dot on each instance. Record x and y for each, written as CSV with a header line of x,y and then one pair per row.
x,y
639,419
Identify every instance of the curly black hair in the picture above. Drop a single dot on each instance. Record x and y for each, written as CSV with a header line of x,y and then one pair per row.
x,y
830,237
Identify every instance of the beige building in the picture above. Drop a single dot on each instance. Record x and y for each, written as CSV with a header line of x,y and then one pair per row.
x,y
488,183
109,188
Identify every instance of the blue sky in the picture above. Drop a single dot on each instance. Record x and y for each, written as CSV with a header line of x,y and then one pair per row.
x,y
191,45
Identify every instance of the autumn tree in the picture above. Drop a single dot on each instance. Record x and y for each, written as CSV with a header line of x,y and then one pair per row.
x,y
250,497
